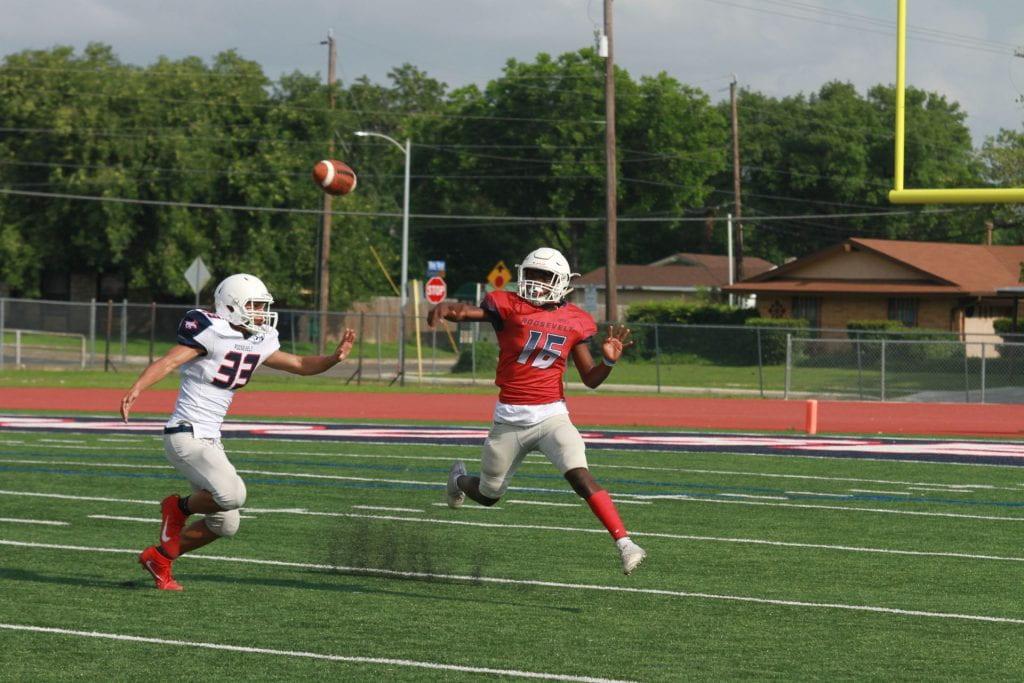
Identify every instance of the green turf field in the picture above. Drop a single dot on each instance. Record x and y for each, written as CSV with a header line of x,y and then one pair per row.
x,y
760,567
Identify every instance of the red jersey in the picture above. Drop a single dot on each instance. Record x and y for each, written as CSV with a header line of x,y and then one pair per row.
x,y
534,344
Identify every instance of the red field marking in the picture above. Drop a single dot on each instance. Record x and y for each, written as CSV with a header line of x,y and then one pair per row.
x,y
592,409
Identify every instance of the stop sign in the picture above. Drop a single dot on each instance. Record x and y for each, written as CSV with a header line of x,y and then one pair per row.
x,y
435,290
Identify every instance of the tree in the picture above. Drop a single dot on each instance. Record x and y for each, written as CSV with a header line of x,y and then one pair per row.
x,y
531,143
1003,157
832,153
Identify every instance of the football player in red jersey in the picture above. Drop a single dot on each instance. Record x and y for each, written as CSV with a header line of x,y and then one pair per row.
x,y
537,332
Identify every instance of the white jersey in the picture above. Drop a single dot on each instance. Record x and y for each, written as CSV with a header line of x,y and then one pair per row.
x,y
209,381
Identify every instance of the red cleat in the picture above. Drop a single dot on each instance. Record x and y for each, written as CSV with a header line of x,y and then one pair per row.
x,y
160,567
173,521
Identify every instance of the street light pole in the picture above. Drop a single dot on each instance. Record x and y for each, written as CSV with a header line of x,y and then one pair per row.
x,y
403,295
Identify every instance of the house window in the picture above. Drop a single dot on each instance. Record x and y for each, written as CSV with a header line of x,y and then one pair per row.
x,y
904,309
808,308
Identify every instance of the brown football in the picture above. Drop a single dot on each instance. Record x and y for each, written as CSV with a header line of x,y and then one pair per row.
x,y
334,177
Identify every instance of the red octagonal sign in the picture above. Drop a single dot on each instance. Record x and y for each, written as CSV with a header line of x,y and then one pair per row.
x,y
435,290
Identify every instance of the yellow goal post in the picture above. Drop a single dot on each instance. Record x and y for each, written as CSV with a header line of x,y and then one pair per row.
x,y
900,195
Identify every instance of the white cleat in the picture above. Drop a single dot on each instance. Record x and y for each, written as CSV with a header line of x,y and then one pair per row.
x,y
453,493
632,555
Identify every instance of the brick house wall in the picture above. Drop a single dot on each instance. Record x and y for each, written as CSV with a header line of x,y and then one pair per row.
x,y
935,313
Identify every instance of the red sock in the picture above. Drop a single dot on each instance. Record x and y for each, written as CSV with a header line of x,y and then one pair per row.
x,y
604,509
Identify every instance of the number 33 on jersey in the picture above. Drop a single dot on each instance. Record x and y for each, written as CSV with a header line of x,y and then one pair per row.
x,y
227,361
534,344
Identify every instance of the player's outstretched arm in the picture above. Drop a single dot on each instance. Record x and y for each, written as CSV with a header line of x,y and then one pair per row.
x,y
456,312
312,365
615,343
178,355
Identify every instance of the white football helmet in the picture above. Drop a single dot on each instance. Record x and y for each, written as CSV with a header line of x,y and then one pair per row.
x,y
235,300
551,290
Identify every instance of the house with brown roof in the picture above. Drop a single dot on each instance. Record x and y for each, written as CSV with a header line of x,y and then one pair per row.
x,y
935,285
680,276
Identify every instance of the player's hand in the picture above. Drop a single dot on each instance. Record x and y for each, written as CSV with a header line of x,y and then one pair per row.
x,y
127,401
345,345
441,312
616,342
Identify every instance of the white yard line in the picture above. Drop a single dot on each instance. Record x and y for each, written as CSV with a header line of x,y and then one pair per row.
x,y
147,520
492,525
64,496
352,659
386,509
619,501
680,498
620,498
882,493
371,571
925,488
71,441
542,502
44,522
79,463
598,465
913,513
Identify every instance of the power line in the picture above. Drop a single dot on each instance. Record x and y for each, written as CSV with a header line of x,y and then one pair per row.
x,y
925,38
888,23
458,217
280,106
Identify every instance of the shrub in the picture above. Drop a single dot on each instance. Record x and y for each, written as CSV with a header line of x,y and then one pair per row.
x,y
865,329
486,357
683,313
1004,327
773,336
894,330
1009,351
674,335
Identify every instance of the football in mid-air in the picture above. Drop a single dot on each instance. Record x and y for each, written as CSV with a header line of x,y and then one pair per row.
x,y
334,177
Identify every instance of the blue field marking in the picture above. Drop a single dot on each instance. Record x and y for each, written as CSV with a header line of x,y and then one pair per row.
x,y
1003,452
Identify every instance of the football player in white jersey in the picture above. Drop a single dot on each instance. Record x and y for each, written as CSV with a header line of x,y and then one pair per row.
x,y
217,354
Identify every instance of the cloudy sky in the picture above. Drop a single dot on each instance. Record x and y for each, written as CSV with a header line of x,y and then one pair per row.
x,y
962,48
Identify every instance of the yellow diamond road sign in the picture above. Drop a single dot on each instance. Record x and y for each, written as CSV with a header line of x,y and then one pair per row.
x,y
499,276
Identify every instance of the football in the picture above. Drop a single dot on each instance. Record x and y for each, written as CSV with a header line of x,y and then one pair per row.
x,y
334,177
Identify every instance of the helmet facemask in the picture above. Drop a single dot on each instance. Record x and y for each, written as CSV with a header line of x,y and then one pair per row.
x,y
255,315
539,286
544,277
243,300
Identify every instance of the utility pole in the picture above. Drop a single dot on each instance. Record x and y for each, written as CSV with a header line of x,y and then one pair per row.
x,y
611,302
738,208
989,225
325,223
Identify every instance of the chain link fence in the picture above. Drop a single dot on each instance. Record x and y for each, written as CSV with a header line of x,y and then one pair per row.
x,y
714,360
976,371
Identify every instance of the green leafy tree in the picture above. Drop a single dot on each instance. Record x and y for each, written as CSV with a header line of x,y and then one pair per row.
x,y
832,153
1003,156
531,143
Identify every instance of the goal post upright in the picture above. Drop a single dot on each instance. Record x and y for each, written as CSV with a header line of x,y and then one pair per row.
x,y
901,92
899,194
